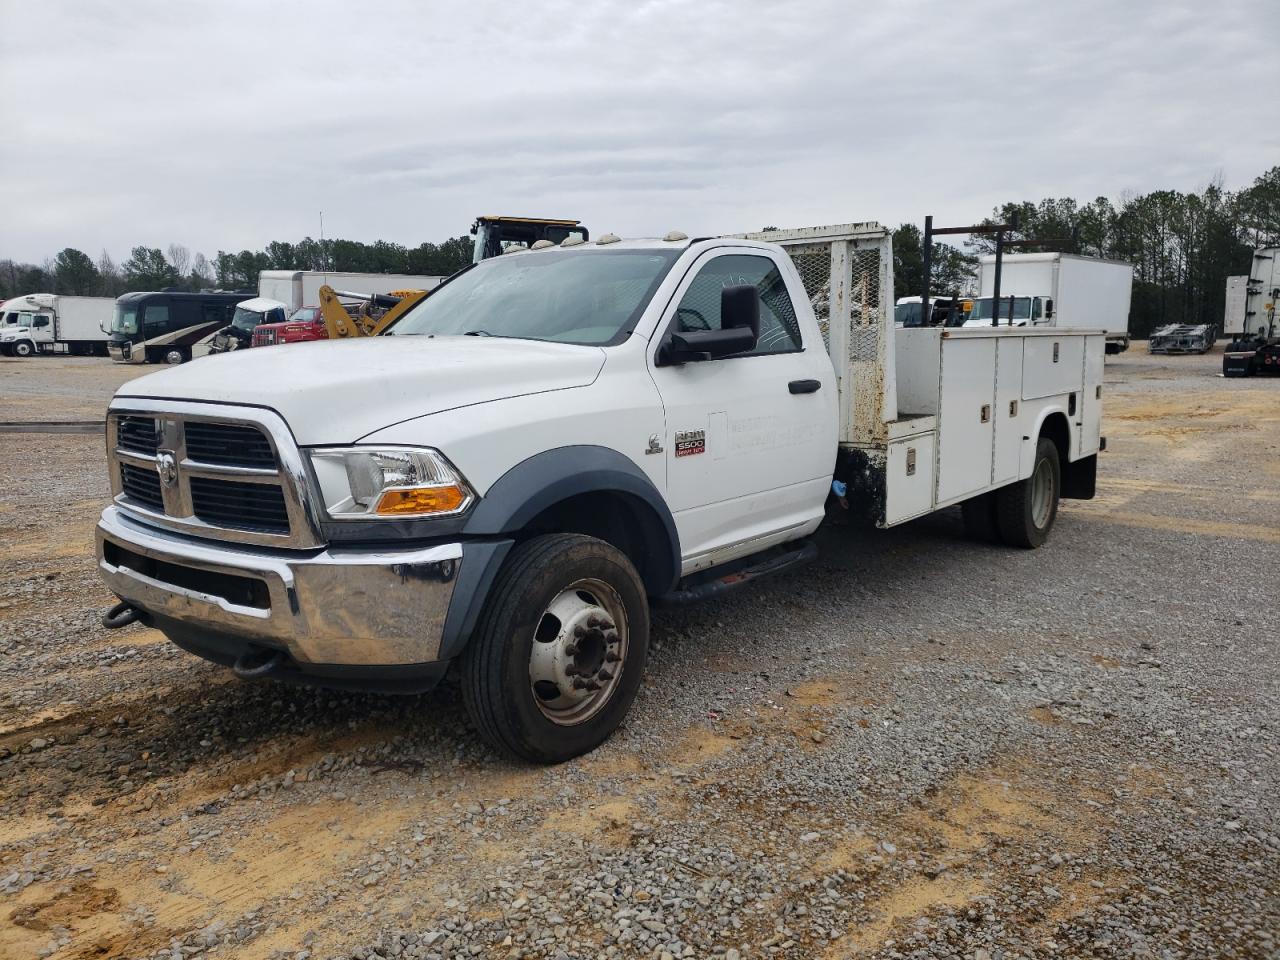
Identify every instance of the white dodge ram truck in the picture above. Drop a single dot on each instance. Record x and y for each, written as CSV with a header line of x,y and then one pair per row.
x,y
552,440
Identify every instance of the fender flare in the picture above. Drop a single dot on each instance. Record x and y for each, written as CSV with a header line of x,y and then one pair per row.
x,y
525,491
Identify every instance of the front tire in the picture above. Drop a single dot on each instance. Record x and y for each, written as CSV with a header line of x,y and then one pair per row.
x,y
560,649
24,348
1025,511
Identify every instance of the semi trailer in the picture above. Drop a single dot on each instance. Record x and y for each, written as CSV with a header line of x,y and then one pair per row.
x,y
506,479
1256,349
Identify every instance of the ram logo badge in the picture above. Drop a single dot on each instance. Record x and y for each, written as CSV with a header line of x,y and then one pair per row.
x,y
690,442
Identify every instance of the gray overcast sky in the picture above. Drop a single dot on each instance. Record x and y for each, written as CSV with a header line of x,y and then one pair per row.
x,y
226,125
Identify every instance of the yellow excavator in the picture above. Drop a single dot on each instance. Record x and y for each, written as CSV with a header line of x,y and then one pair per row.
x,y
493,235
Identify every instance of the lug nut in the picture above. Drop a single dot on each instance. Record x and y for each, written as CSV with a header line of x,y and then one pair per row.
x,y
593,686
604,675
612,657
579,631
580,684
571,650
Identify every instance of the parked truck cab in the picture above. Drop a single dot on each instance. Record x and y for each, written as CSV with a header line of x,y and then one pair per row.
x,y
248,316
505,480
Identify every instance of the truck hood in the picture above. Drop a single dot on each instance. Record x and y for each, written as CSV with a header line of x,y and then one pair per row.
x,y
337,392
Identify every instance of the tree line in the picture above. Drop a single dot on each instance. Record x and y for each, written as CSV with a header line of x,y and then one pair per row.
x,y
1183,247
74,273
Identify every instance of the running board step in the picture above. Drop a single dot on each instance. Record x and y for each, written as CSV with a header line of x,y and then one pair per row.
x,y
730,576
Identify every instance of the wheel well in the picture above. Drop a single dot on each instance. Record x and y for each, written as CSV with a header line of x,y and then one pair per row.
x,y
1056,428
617,518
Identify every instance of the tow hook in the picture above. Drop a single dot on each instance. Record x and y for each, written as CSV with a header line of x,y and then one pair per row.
x,y
257,662
121,615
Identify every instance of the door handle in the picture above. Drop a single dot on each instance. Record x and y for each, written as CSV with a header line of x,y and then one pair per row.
x,y
804,386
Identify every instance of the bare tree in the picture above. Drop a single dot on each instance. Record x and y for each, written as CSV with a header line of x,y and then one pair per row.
x,y
180,257
201,272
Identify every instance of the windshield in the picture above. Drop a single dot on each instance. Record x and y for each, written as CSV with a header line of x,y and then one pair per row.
x,y
907,314
982,309
579,296
306,315
125,319
245,319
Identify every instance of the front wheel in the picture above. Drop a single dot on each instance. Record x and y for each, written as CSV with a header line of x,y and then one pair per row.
x,y
1025,511
24,348
560,649
176,355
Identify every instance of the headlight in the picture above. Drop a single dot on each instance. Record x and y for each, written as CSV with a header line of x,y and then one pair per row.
x,y
389,483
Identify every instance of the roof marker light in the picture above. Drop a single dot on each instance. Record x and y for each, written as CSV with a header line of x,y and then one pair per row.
x,y
608,238
572,240
675,235
541,245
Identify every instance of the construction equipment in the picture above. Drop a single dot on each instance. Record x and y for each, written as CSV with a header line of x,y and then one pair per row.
x,y
495,234
1182,338
378,311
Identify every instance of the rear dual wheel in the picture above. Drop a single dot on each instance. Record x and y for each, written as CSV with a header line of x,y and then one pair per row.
x,y
560,649
1023,513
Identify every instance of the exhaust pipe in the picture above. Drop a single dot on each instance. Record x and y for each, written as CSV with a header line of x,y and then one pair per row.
x,y
257,662
121,615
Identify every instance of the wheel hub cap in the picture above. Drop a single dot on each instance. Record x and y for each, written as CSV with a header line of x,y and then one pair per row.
x,y
579,650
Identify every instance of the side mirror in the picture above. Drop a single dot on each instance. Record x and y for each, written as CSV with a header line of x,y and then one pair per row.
x,y
738,333
1048,309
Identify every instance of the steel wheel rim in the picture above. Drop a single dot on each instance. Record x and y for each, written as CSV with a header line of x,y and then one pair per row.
x,y
578,653
1041,494
173,356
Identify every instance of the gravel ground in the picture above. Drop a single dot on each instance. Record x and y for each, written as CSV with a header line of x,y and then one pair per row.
x,y
915,747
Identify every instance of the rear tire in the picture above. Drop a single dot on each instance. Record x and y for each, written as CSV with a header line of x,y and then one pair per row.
x,y
176,355
541,631
979,515
1025,511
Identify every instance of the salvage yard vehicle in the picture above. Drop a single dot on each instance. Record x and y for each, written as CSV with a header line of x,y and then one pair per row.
x,y
509,475
1182,338
1059,290
165,326
304,325
52,323
1257,348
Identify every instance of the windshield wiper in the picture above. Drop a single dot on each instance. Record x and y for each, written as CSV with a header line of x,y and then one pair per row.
x,y
477,333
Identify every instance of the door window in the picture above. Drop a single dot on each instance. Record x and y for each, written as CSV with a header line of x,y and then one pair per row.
x,y
699,308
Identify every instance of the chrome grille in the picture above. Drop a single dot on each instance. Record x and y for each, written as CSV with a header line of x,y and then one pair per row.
x,y
243,506
139,434
214,471
142,485
230,444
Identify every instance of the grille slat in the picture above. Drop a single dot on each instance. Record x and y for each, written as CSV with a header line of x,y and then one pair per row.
x,y
242,506
138,434
228,444
142,485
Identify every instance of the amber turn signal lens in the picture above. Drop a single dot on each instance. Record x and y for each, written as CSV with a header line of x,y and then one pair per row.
x,y
418,500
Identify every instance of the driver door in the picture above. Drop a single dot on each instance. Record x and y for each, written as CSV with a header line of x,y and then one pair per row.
x,y
750,439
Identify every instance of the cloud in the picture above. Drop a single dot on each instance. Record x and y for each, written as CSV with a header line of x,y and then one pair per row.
x,y
227,125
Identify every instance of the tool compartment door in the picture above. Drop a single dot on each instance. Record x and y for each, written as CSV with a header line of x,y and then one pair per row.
x,y
966,424
1008,410
1090,421
1052,366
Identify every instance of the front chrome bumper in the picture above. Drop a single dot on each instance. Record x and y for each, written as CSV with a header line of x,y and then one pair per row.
x,y
339,606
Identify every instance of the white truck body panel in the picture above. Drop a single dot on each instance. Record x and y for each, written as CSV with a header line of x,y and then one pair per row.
x,y
1263,293
1233,310
301,288
1088,293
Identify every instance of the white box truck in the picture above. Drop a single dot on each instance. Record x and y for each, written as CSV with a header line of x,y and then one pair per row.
x,y
507,489
281,293
52,323
1058,290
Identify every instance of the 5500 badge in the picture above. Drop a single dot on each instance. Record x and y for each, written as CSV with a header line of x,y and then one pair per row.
x,y
690,442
